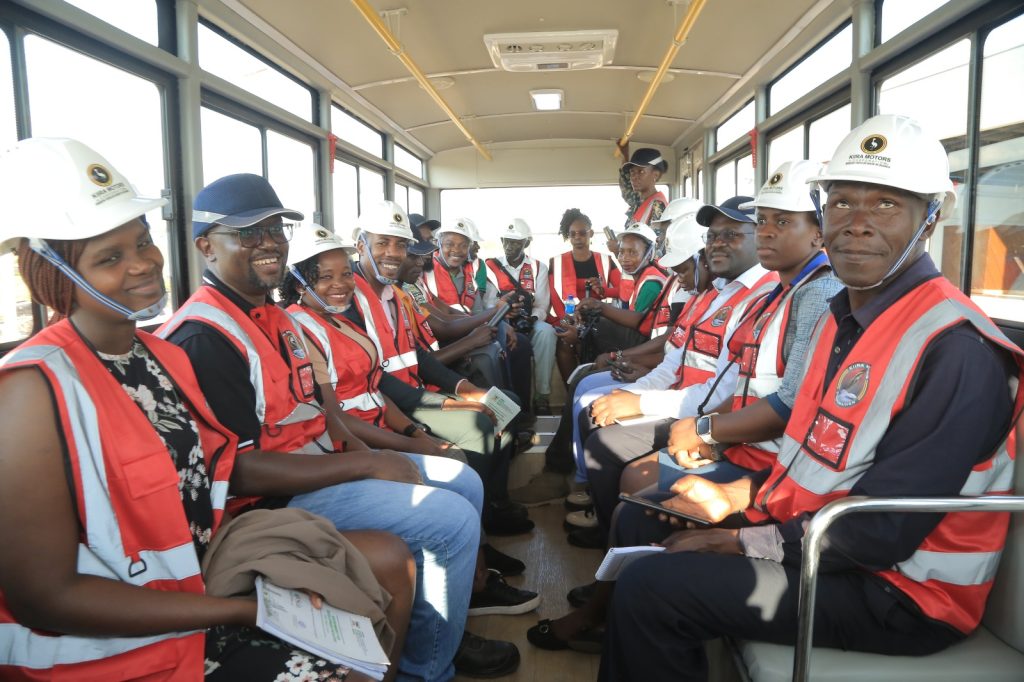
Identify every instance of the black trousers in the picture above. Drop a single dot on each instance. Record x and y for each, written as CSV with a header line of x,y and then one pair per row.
x,y
608,450
665,606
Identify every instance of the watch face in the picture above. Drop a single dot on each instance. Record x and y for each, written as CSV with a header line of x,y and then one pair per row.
x,y
703,426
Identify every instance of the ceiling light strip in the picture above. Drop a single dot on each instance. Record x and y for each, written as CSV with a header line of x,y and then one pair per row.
x,y
396,49
677,41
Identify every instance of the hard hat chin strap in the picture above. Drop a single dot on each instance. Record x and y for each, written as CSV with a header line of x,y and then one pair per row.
x,y
386,281
309,290
933,209
52,257
648,255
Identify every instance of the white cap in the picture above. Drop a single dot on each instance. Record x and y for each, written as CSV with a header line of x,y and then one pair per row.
x,y
683,237
384,217
640,230
786,189
58,188
463,226
311,239
518,229
894,151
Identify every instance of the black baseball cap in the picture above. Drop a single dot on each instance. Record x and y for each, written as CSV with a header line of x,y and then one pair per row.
x,y
730,208
417,220
648,157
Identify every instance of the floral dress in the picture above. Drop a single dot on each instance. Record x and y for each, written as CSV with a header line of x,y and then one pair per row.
x,y
232,652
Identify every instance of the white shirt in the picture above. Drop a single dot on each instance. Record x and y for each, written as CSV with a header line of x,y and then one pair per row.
x,y
541,289
657,398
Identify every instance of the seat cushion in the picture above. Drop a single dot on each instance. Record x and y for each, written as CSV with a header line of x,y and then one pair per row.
x,y
980,656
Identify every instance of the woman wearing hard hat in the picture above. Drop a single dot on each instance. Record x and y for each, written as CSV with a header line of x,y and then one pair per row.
x,y
113,489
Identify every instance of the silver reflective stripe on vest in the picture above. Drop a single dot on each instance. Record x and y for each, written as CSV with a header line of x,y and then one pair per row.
x,y
673,286
398,362
364,401
955,568
313,326
371,325
25,649
205,311
218,493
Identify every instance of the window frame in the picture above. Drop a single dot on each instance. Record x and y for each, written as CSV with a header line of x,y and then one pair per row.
x,y
768,87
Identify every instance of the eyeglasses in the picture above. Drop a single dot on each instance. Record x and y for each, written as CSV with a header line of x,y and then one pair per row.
x,y
573,233
252,236
727,237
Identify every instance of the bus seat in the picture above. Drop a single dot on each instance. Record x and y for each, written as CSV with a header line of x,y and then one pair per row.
x,y
994,652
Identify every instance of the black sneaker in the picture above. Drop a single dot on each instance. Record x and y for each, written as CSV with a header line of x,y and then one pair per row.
x,y
502,562
506,518
501,599
485,658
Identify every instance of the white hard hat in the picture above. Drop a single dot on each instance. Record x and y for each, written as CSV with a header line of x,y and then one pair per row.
x,y
894,151
640,230
683,237
384,217
58,188
311,239
518,229
463,226
786,189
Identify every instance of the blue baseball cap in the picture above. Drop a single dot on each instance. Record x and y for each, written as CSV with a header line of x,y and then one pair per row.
x,y
238,200
417,221
730,208
422,247
648,157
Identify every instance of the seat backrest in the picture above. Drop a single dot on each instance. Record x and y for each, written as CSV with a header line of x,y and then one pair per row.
x,y
1004,615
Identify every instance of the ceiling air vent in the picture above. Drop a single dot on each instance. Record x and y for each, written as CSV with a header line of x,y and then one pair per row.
x,y
551,51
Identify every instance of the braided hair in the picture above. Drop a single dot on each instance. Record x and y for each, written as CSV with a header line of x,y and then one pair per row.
x,y
289,289
48,285
568,218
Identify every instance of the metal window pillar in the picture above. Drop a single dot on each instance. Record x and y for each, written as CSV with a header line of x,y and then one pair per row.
x,y
861,98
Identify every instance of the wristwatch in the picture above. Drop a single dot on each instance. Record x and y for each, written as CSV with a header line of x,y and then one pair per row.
x,y
410,429
704,429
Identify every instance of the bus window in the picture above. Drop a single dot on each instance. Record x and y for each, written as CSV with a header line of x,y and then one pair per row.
x,y
825,134
229,146
291,171
997,272
897,15
789,146
346,197
131,16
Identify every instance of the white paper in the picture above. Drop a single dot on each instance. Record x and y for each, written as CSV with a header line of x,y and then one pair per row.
x,y
638,419
329,633
618,558
503,407
579,371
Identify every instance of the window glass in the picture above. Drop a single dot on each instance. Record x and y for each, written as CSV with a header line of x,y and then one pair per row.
x,y
826,133
371,187
355,132
900,14
15,306
223,58
416,200
8,124
914,92
699,187
687,187
229,146
745,176
291,171
789,146
738,124
408,162
137,17
127,130
402,196
826,61
725,181
997,270
346,198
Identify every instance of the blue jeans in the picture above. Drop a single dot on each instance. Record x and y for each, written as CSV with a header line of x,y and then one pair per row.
x,y
440,521
588,390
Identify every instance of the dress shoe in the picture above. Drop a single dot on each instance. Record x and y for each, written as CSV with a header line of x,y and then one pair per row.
x,y
485,658
588,538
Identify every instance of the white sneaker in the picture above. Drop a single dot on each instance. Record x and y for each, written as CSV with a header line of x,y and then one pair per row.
x,y
581,519
579,500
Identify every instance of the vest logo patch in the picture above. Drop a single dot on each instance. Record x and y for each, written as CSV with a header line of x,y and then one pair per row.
x,y
294,345
827,440
306,381
678,336
759,325
706,342
853,384
721,317
748,359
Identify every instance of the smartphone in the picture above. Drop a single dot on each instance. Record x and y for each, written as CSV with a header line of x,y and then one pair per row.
x,y
609,232
626,497
499,315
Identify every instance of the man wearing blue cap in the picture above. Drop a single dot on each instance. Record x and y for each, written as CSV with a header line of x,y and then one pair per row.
x,y
255,372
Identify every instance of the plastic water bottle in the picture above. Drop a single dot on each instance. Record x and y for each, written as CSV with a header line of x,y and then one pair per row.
x,y
570,304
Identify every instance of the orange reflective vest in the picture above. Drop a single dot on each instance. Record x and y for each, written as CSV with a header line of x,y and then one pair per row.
x,y
282,377
133,525
563,280
650,273
834,430
703,336
756,347
353,372
642,214
396,348
441,285
497,275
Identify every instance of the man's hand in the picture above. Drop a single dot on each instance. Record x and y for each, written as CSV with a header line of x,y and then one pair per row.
x,y
567,333
624,371
613,246
590,304
615,405
511,340
718,540
603,361
700,497
482,335
686,446
515,302
388,465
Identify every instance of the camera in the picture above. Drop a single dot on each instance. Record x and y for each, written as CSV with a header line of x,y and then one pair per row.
x,y
523,320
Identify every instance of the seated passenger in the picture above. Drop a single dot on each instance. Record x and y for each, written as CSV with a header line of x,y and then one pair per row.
x,y
527,279
254,370
902,361
116,483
